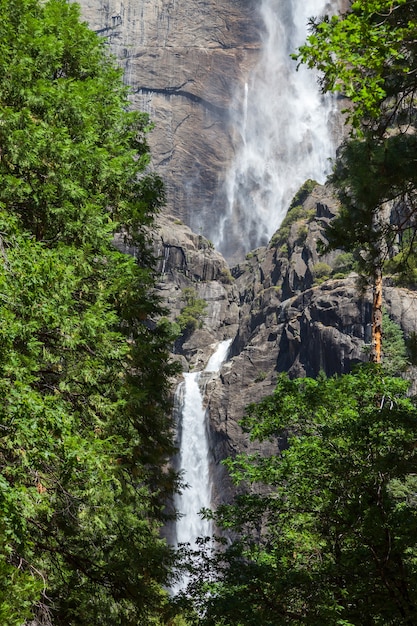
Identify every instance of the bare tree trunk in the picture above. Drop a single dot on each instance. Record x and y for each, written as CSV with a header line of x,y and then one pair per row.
x,y
377,317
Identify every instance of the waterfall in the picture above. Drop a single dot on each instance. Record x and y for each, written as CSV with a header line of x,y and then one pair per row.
x,y
194,455
284,129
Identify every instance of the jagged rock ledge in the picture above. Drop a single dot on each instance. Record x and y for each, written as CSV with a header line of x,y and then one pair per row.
x,y
287,308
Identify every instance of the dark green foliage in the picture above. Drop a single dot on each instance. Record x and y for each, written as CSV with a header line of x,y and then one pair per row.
x,y
411,344
84,374
326,527
369,55
369,174
344,263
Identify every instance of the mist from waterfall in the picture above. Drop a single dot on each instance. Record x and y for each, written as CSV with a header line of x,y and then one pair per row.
x,y
195,455
283,129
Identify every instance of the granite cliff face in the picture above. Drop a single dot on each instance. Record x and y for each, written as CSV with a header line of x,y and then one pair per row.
x,y
287,308
183,61
237,128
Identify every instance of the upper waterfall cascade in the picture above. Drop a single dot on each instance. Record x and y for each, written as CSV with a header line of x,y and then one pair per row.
x,y
284,130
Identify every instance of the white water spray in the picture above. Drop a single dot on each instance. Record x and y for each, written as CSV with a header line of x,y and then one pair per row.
x,y
194,456
284,132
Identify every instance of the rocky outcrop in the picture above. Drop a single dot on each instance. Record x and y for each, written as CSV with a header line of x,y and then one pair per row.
x,y
287,307
183,61
187,261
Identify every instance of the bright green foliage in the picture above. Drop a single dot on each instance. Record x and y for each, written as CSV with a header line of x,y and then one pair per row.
x,y
303,193
395,357
85,432
369,56
321,271
296,212
326,526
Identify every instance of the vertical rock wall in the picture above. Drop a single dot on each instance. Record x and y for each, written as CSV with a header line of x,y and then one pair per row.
x,y
288,308
183,61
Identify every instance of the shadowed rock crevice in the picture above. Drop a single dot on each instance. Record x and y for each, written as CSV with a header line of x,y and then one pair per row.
x,y
178,92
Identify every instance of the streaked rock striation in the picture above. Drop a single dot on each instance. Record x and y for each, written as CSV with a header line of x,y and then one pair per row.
x,y
183,61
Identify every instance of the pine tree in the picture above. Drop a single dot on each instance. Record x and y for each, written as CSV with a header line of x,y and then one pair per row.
x,y
369,55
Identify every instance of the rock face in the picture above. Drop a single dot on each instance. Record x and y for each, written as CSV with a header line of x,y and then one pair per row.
x,y
189,262
287,308
183,61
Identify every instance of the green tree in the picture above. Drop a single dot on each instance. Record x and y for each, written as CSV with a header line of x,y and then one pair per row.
x,y
369,55
377,185
85,428
395,358
326,527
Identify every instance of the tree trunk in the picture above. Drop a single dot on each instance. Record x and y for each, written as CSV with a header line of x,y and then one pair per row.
x,y
377,317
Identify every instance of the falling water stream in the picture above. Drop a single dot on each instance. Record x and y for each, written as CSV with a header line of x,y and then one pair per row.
x,y
284,129
194,454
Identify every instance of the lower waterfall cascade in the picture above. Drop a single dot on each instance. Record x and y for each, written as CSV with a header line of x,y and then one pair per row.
x,y
195,455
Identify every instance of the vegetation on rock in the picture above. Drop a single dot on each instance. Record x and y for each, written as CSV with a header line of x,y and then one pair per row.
x,y
321,271
324,529
369,55
190,317
296,213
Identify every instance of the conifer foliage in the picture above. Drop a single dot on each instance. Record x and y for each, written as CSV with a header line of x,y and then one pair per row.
x,y
369,55
84,374
325,530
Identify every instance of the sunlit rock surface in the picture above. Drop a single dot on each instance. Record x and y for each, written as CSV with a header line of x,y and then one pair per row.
x,y
183,61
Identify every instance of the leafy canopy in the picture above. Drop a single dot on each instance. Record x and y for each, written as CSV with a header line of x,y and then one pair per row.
x,y
369,56
326,526
85,432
